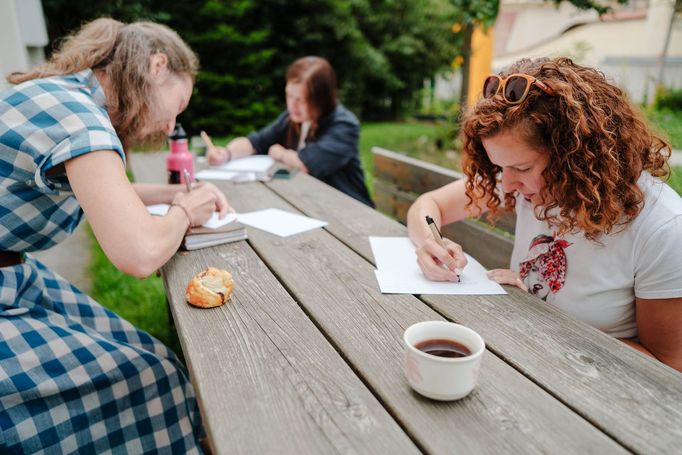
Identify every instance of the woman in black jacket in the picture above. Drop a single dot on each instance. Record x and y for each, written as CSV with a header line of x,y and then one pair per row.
x,y
316,134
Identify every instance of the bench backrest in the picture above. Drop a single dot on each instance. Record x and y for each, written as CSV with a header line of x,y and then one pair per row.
x,y
400,179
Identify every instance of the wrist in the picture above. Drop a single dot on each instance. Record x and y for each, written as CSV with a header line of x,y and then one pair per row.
x,y
184,209
229,154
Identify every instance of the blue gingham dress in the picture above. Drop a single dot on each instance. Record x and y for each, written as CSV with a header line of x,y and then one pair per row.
x,y
74,377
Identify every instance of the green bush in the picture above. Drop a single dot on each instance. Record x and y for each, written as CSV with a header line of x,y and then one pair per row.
x,y
667,98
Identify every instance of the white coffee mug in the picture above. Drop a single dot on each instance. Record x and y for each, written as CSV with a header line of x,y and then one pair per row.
x,y
442,378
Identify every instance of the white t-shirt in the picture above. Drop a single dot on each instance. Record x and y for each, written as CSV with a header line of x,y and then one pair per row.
x,y
597,282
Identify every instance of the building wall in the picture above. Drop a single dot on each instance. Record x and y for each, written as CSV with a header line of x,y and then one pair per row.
x,y
23,36
627,45
627,50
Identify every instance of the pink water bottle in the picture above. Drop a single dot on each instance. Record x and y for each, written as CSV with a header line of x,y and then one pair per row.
x,y
179,159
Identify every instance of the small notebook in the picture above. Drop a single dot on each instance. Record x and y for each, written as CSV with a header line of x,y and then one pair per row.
x,y
213,232
202,237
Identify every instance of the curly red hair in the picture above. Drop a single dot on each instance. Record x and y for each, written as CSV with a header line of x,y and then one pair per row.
x,y
597,141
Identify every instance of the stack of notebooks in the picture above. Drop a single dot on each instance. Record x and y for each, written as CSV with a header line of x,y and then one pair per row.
x,y
213,232
202,237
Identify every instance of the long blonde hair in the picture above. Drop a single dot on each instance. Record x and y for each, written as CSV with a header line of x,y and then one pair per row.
x,y
123,53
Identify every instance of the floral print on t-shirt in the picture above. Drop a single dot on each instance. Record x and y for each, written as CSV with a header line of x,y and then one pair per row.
x,y
544,269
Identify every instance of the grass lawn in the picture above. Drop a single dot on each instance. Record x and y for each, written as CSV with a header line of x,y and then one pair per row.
x,y
143,302
667,123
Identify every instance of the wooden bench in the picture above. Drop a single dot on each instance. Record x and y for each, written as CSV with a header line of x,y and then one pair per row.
x,y
400,179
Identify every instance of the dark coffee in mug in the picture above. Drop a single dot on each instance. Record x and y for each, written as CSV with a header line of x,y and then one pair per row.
x,y
443,348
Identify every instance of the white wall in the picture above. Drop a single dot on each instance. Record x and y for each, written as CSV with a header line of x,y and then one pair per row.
x,y
628,51
23,36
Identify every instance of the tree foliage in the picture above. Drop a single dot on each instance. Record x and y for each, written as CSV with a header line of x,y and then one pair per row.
x,y
382,50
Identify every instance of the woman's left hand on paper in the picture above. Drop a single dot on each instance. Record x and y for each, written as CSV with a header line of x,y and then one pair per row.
x,y
506,276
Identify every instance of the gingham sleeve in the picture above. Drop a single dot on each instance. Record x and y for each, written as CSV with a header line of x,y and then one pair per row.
x,y
75,129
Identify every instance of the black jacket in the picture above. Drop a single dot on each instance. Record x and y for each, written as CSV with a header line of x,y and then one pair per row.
x,y
331,156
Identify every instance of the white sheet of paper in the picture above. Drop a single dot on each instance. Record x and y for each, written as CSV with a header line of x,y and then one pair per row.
x,y
158,209
399,273
212,223
215,174
252,163
279,222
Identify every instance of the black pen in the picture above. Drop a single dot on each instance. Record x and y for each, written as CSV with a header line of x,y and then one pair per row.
x,y
439,238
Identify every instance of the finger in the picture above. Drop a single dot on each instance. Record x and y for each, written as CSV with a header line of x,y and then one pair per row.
x,y
437,251
223,206
459,258
505,276
433,270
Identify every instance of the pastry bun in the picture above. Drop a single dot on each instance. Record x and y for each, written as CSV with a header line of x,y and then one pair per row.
x,y
209,288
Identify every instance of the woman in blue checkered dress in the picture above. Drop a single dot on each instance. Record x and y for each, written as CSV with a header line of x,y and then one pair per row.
x,y
75,377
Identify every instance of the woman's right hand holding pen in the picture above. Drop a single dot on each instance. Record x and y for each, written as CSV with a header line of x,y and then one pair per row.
x,y
200,203
440,262
214,154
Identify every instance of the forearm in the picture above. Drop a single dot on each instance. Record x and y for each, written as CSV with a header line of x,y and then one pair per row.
x,y
417,228
240,147
672,360
237,148
637,346
152,245
151,193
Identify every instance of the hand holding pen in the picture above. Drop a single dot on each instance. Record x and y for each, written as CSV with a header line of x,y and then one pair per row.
x,y
215,155
440,259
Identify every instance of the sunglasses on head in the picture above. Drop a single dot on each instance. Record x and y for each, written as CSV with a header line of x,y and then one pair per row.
x,y
515,87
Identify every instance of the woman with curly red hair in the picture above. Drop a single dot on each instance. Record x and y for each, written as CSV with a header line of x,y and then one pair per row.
x,y
598,233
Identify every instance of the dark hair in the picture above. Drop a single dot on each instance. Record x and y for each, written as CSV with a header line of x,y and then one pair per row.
x,y
319,83
597,141
123,52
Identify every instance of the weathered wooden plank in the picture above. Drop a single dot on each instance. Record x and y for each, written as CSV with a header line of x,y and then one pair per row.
x,y
409,174
634,399
337,288
266,378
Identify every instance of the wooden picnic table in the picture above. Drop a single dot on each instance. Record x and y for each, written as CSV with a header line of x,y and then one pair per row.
x,y
307,356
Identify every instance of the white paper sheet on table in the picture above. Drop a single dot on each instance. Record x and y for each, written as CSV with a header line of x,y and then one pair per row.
x,y
253,163
213,223
279,222
217,174
398,273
